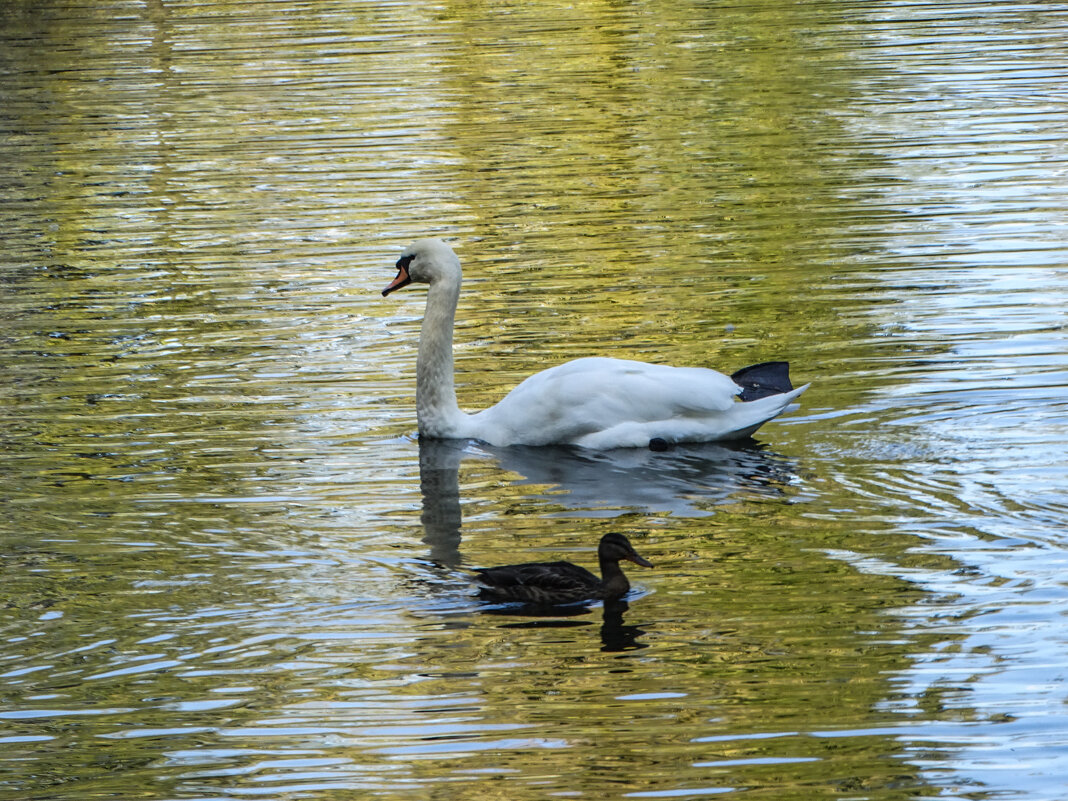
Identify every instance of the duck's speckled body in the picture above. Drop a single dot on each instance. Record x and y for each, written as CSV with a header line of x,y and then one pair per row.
x,y
551,583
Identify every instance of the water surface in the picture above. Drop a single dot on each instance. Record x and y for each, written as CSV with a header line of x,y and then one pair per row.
x,y
232,570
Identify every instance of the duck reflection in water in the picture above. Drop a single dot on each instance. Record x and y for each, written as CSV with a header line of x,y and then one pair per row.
x,y
615,634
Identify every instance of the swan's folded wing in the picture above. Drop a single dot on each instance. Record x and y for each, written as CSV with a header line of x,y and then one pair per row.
x,y
567,402
638,391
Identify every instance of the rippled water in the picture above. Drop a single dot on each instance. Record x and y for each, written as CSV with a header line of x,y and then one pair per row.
x,y
231,570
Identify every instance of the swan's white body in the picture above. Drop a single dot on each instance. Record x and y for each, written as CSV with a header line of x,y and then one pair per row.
x,y
593,402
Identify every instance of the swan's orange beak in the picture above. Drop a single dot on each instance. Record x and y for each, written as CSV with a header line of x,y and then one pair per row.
x,y
402,279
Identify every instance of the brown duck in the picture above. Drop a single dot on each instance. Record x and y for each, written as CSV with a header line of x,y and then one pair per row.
x,y
550,583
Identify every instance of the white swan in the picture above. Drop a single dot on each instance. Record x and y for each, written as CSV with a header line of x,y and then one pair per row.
x,y
593,402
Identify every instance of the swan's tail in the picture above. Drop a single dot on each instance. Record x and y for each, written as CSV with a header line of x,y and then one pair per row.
x,y
748,416
766,393
761,380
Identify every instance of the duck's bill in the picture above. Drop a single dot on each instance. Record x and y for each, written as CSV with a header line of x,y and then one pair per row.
x,y
402,279
639,561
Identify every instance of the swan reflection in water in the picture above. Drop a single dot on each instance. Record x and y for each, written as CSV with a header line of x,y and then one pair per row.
x,y
686,481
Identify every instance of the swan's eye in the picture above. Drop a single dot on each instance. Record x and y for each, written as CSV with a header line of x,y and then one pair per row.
x,y
404,261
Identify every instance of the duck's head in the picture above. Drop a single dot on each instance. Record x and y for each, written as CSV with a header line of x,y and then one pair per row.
x,y
615,547
425,262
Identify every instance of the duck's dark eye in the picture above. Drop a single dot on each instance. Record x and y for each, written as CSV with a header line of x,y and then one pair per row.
x,y
404,261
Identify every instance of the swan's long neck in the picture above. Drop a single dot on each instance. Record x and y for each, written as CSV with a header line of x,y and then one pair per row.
x,y
435,393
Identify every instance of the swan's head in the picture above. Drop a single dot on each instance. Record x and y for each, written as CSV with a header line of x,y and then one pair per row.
x,y
425,262
615,547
